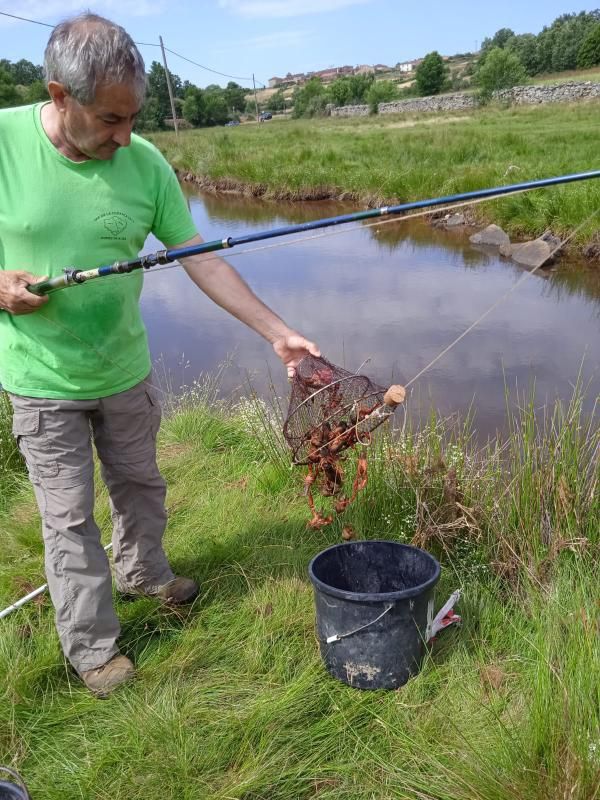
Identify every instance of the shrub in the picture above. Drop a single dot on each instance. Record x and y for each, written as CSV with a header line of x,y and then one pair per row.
x,y
501,70
432,74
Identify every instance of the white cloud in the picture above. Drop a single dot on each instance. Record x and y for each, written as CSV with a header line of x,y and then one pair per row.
x,y
286,8
281,39
54,10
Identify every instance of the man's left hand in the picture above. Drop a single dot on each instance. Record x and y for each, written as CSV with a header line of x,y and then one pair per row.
x,y
292,349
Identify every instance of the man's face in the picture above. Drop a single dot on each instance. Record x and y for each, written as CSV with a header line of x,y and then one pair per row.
x,y
99,129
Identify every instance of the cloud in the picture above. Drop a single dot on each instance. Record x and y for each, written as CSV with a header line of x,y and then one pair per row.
x,y
280,39
286,8
54,10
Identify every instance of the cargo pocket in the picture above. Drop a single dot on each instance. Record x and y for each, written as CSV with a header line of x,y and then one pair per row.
x,y
155,409
33,444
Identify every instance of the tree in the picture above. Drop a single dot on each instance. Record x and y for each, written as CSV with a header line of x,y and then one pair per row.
x,y
340,91
157,88
276,102
359,86
501,70
36,92
150,117
235,97
216,112
194,106
526,48
432,74
558,45
589,52
500,38
9,95
304,97
25,73
380,92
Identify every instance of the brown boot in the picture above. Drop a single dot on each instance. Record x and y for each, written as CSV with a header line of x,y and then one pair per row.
x,y
102,680
178,592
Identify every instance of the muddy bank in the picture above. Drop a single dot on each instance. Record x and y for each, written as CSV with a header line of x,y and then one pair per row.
x,y
474,218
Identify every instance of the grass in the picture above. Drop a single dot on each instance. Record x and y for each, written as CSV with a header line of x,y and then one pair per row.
x,y
232,700
390,158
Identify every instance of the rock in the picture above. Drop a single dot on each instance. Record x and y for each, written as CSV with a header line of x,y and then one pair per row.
x,y
492,235
592,252
455,220
552,240
531,254
506,250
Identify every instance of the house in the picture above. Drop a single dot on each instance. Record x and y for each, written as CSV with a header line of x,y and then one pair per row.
x,y
408,66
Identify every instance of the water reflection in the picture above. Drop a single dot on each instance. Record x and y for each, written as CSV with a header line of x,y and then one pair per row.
x,y
396,294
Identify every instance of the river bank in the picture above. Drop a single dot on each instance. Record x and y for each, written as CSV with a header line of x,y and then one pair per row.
x,y
381,160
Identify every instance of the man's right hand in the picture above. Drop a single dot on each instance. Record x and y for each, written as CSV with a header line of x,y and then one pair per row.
x,y
14,296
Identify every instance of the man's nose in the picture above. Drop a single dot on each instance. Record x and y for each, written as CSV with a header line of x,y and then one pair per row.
x,y
122,136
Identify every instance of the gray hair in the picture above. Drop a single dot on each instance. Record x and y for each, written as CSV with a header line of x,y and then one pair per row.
x,y
87,51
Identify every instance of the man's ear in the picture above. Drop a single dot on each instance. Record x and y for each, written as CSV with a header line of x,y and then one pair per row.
x,y
58,93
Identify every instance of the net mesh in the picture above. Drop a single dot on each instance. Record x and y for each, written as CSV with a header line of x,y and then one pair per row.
x,y
326,403
330,411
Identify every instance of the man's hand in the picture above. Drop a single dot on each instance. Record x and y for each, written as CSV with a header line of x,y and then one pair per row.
x,y
14,296
291,350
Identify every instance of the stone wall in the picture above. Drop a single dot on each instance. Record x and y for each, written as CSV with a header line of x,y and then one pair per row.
x,y
557,93
519,95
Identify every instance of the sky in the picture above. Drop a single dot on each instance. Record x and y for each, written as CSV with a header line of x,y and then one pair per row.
x,y
269,38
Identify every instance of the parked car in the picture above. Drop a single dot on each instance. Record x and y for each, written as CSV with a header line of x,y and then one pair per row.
x,y
265,116
231,123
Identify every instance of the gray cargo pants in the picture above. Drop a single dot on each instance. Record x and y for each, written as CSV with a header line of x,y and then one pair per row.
x,y
55,437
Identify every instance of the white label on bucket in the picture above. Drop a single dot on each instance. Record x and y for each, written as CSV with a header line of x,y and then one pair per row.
x,y
428,632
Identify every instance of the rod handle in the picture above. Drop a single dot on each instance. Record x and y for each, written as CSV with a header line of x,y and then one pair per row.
x,y
394,396
39,288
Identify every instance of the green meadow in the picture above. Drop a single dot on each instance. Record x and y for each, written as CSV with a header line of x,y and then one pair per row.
x,y
232,700
399,158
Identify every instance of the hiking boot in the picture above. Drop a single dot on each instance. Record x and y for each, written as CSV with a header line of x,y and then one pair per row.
x,y
178,592
102,680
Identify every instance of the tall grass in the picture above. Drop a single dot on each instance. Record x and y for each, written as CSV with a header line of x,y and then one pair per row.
x,y
397,158
232,700
12,467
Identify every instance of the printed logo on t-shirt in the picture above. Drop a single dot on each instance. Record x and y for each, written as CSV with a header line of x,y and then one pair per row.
x,y
113,223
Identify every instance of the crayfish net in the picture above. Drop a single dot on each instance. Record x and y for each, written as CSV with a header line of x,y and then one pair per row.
x,y
332,410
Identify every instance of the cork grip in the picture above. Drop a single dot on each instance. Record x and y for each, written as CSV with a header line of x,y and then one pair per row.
x,y
394,396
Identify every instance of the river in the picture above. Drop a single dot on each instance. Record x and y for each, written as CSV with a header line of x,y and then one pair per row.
x,y
393,295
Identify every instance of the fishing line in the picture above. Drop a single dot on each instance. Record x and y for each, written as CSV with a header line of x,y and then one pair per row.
x,y
447,349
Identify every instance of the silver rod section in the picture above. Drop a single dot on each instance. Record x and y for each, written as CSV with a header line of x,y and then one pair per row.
x,y
31,596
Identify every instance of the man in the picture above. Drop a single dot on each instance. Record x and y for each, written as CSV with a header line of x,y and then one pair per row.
x,y
77,188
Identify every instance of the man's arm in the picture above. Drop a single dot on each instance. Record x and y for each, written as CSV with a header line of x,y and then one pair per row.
x,y
220,281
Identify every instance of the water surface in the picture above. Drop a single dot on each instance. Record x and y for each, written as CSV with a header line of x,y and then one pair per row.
x,y
393,294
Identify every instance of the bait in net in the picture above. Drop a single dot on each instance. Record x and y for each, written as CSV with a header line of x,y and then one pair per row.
x,y
332,410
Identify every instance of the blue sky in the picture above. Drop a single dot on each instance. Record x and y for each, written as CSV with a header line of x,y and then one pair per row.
x,y
272,37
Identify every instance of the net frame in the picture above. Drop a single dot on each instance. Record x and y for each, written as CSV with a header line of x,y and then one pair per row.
x,y
329,399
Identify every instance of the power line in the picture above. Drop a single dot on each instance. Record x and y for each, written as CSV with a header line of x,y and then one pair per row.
x,y
224,74
25,19
142,44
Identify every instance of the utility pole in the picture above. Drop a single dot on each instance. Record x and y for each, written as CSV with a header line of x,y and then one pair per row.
x,y
169,87
255,100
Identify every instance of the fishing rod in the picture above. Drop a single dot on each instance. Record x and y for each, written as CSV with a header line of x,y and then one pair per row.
x,y
72,276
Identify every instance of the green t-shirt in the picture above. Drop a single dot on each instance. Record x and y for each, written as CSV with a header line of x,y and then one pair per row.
x,y
57,213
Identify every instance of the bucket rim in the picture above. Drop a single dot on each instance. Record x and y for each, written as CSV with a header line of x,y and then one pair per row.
x,y
380,597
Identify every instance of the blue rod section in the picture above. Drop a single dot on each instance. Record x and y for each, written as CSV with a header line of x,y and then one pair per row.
x,y
167,256
379,212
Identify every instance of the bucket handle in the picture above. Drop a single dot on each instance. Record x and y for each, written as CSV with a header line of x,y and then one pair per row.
x,y
15,776
337,636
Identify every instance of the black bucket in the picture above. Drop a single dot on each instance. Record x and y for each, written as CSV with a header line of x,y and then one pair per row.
x,y
374,602
14,789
